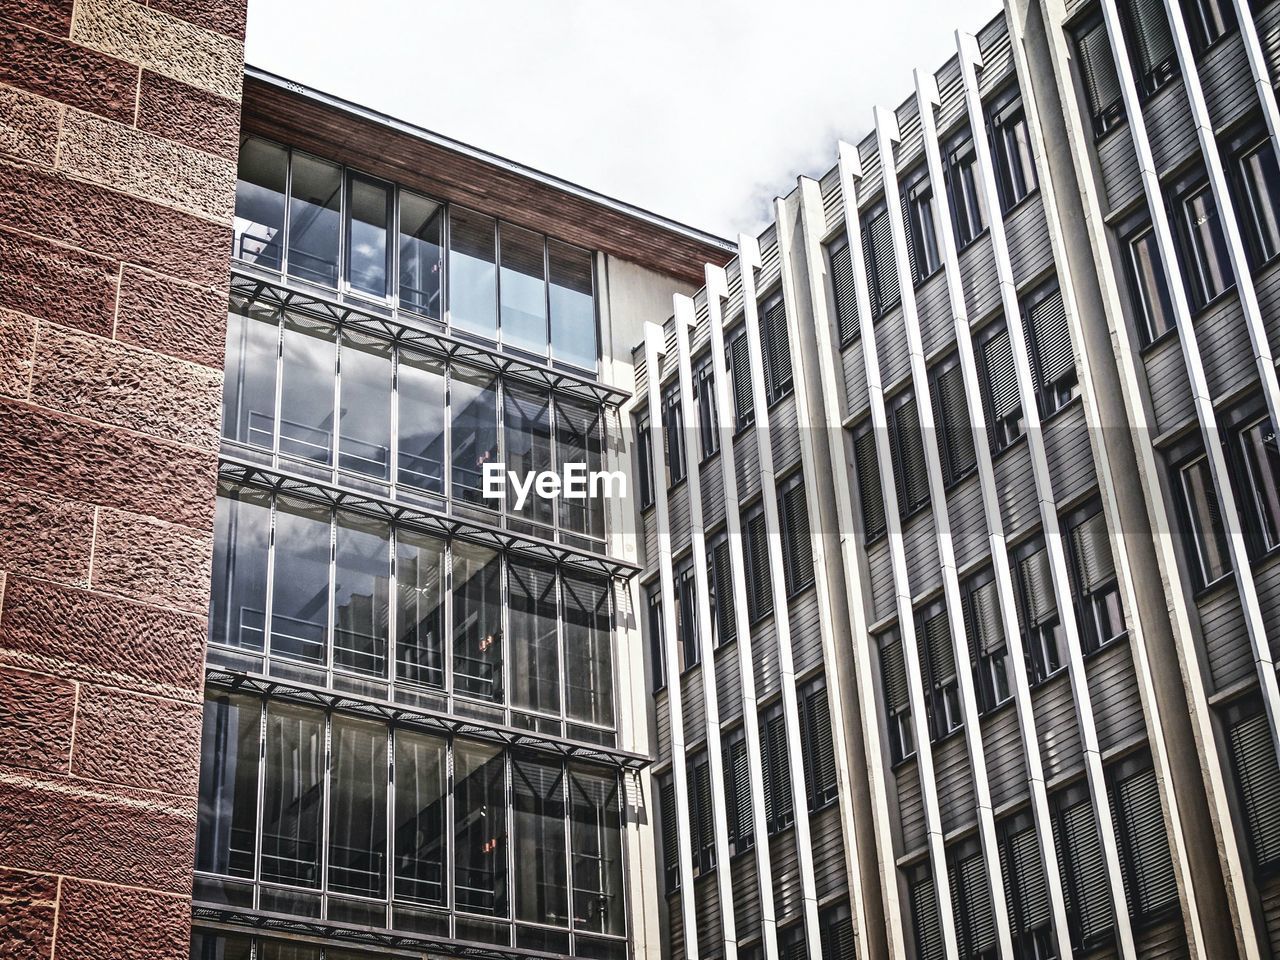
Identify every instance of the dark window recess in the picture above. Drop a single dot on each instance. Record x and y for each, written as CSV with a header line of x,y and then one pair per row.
x,y
797,544
844,290
999,381
1054,362
644,462
1208,21
670,834
744,410
737,775
870,497
942,684
723,615
704,401
1206,261
1149,286
1097,594
882,274
897,701
1025,888
922,237
687,639
1151,888
987,642
968,208
1101,82
835,925
779,811
1260,492
1039,610
908,455
1083,871
673,434
1014,159
1204,533
657,657
756,549
791,945
776,349
1150,43
951,422
818,748
926,923
1256,184
1257,776
971,901
702,839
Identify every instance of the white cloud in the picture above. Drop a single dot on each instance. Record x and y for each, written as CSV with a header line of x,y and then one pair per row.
x,y
700,111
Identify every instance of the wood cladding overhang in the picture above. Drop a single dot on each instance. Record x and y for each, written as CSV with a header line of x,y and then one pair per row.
x,y
394,154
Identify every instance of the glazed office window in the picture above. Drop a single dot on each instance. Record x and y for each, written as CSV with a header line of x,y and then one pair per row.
x,y
534,635
315,203
579,439
704,402
882,274
942,680
421,396
1208,21
1100,78
310,361
292,812
595,835
1206,261
420,606
897,699
473,410
421,255
956,448
776,344
1082,866
258,225
526,445
300,582
588,650
242,530
655,631
701,815
835,925
358,809
249,381
908,454
364,406
987,644
473,273
1151,887
998,378
870,495
1255,179
922,238
673,435
1206,536
737,777
1026,889
226,838
539,841
844,290
522,288
756,556
739,362
779,809
670,833
644,462
1261,455
1053,360
361,594
687,639
1148,286
573,305
791,944
370,204
1257,779
797,544
817,744
1150,43
477,622
971,901
479,829
421,796
1014,157
1094,580
968,203
925,921
723,613
1044,638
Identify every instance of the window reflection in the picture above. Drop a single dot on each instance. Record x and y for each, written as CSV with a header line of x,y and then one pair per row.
x,y
362,581
1262,462
259,213
573,315
249,384
588,651
597,852
535,672
524,290
292,800
358,809
527,450
477,622
419,818
365,414
300,598
419,609
226,834
472,292
578,441
473,404
480,830
370,204
421,244
306,397
314,203
541,887
242,525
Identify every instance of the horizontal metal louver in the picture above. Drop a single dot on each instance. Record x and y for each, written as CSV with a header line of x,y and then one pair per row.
x,y
1258,778
951,411
779,808
799,544
758,582
913,481
971,901
1095,564
741,818
670,835
1002,376
1154,885
740,370
844,290
1084,870
893,674
884,286
1048,320
924,909
941,653
722,583
1151,30
913,255
1037,584
838,942
870,495
777,349
982,618
1099,69
1024,880
819,747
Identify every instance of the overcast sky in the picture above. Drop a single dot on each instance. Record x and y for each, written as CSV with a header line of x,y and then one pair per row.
x,y
700,110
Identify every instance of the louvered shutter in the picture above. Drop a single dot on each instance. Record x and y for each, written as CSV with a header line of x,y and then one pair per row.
x,y
799,545
1024,881
1094,563
881,259
1258,777
777,349
941,653
1099,69
924,912
913,481
1151,30
705,847
845,292
670,835
1085,870
819,747
869,493
740,773
982,618
726,619
1154,886
1048,320
837,939
893,676
1002,376
758,564
780,775
909,227
740,368
1037,584
971,900
951,411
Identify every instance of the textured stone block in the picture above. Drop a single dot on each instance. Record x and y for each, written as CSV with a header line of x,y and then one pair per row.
x,y
28,905
152,561
51,16
44,535
106,465
57,283
180,319
114,225
102,639
17,345
221,16
98,921
137,740
28,126
36,715
128,387
63,825
67,72
185,114
145,165
161,43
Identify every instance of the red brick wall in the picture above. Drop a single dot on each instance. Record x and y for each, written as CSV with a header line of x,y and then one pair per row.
x,y
118,136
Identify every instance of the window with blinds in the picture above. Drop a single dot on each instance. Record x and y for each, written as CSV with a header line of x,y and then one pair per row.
x,y
653,630
737,782
971,902
1015,163
1150,43
968,208
998,379
925,921
723,617
951,420
1257,776
797,544
704,401
835,926
1203,529
702,840
1254,176
1208,21
687,640
870,496
739,363
1038,610
1151,889
1025,888
908,454
922,238
1094,569
818,747
779,810
939,656
987,643
673,434
644,462
843,290
791,945
882,274
1100,78
897,700
1053,360
756,553
1083,870
670,834
777,349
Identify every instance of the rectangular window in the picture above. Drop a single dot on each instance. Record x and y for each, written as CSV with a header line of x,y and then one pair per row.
x,y
534,635
818,747
930,944
779,811
1261,456
1101,81
1026,890
1083,869
673,435
361,594
480,829
655,632
702,840
477,621
870,496
580,440
1044,638
968,205
526,436
1053,359
951,421
242,530
358,808
704,402
226,834
737,777
1257,777
420,580
539,841
259,210
421,255
1151,887
522,289
797,545
908,454
777,349
249,381
421,775
364,405
670,833
897,700
739,363
723,613
595,822
300,583
588,650
1255,179
1150,43
998,378
987,643
315,203
1014,158
306,393
420,395
971,901
1097,594
791,945
836,929
1206,261
1206,535
293,796
882,274
687,639
922,237
756,554
941,680
473,407
843,289
1208,21
369,206
473,287
644,462
573,306
1148,286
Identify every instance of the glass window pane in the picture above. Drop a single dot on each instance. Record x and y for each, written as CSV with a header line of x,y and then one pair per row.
x,y
358,809
228,785
210,945
1211,270
242,527
596,842
534,639
420,391
472,278
1206,521
473,405
421,259
1262,457
287,950
523,286
578,441
588,651
527,429
370,212
362,582
314,203
1262,189
541,888
419,609
573,310
306,398
259,216
364,426
477,621
300,585
480,829
249,384
419,818
293,797
1151,291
